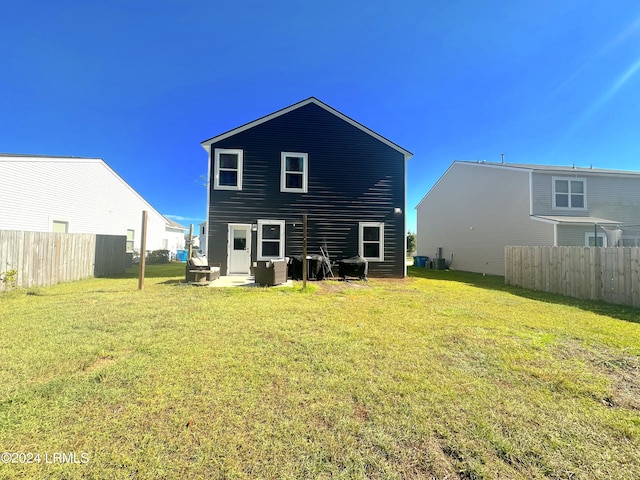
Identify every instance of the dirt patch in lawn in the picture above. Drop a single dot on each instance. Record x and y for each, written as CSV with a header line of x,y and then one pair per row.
x,y
622,369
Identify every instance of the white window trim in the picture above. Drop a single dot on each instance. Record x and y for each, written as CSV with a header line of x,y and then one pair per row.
x,y
569,179
588,235
132,241
260,256
305,172
216,168
380,226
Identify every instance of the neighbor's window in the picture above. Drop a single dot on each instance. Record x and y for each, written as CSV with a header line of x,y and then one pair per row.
x,y
131,236
569,193
294,172
590,240
371,245
59,226
227,169
270,239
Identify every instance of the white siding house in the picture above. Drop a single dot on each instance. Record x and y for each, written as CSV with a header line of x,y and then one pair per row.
x,y
477,208
78,195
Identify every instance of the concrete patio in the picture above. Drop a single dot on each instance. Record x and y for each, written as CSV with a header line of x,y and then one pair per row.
x,y
241,281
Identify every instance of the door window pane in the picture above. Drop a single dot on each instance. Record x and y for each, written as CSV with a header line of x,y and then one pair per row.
x,y
239,239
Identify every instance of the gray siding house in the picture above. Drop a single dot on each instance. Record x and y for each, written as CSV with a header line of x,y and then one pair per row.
x,y
477,208
310,159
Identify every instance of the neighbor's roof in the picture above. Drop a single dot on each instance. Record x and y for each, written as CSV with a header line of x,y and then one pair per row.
x,y
174,224
552,168
207,143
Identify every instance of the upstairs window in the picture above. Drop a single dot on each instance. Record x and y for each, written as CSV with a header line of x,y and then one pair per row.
x,y
569,193
371,245
227,169
294,169
270,239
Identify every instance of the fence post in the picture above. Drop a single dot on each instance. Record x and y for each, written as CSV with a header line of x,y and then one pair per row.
x,y
143,250
304,251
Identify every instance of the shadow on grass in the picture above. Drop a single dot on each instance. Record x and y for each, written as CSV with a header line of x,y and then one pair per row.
x,y
495,282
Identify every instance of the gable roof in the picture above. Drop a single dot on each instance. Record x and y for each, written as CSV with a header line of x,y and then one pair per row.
x,y
311,100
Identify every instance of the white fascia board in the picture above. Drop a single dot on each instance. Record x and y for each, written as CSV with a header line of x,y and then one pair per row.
x,y
543,220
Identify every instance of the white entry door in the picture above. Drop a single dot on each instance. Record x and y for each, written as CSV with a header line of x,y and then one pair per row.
x,y
239,250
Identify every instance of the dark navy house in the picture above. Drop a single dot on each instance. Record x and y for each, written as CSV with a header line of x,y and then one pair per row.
x,y
306,159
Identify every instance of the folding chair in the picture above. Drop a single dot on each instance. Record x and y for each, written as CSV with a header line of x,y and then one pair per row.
x,y
325,257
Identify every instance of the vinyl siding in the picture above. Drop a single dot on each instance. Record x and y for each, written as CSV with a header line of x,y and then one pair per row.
x,y
353,177
88,195
473,212
614,197
573,235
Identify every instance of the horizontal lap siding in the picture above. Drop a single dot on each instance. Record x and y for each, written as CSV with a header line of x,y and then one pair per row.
x,y
352,178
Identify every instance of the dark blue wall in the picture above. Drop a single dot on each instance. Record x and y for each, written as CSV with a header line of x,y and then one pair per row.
x,y
353,177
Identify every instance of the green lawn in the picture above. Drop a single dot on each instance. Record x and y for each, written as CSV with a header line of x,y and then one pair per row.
x,y
441,375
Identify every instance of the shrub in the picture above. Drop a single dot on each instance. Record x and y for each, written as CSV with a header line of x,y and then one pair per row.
x,y
8,278
158,256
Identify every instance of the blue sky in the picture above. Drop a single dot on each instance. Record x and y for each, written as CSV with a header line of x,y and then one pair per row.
x,y
141,83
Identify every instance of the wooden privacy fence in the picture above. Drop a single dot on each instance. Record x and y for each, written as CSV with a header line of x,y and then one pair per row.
x,y
611,274
44,258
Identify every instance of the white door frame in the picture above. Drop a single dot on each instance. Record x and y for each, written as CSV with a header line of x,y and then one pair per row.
x,y
230,228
